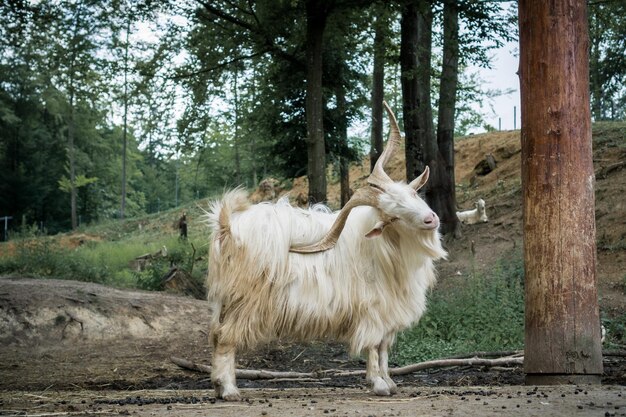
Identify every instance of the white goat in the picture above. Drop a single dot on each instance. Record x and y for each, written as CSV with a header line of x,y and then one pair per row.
x,y
364,280
475,215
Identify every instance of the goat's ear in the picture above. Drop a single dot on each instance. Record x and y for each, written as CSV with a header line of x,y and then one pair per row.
x,y
419,182
377,230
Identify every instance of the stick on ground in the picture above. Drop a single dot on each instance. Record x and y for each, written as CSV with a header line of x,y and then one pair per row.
x,y
253,374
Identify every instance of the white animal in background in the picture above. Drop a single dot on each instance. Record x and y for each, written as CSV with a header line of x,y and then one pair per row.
x,y
475,215
364,279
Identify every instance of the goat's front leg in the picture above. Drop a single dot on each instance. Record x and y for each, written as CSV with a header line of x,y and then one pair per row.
x,y
384,363
223,371
373,373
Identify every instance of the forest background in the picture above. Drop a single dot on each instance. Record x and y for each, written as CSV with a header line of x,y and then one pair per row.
x,y
112,109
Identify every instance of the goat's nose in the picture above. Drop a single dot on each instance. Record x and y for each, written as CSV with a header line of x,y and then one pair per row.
x,y
431,220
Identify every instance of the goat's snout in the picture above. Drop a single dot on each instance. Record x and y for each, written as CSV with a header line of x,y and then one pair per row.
x,y
431,220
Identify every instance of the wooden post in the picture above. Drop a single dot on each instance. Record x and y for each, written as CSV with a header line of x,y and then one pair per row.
x,y
562,335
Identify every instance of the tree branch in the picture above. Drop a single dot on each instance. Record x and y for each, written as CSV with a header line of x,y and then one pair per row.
x,y
265,40
252,374
216,67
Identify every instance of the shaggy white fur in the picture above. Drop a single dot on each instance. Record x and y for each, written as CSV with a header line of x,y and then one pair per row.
x,y
372,284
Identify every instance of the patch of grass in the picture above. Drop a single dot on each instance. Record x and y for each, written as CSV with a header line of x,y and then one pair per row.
x,y
44,257
487,313
106,262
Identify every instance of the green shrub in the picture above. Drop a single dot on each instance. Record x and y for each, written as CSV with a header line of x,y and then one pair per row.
x,y
105,262
45,258
485,314
181,254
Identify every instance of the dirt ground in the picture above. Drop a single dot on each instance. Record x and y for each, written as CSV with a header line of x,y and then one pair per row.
x,y
562,401
74,348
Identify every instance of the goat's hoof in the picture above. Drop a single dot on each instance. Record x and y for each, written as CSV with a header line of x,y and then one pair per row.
x,y
393,388
234,396
380,387
227,393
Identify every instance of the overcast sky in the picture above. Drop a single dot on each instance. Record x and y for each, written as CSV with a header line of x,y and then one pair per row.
x,y
503,76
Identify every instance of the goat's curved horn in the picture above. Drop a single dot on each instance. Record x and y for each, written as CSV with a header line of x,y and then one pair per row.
x,y
367,196
379,177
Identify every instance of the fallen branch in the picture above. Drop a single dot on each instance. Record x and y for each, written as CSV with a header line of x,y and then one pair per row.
x,y
252,374
444,363
487,354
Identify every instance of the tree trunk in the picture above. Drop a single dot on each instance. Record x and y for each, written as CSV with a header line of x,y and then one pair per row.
x,y
415,52
426,130
562,330
71,155
125,138
378,90
344,164
442,186
408,79
255,179
237,121
316,152
71,125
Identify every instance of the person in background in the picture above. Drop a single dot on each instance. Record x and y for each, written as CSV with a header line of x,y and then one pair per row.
x,y
182,226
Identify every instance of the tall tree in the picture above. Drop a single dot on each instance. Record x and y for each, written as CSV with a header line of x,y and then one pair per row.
x,y
415,62
381,28
443,185
316,16
409,44
125,117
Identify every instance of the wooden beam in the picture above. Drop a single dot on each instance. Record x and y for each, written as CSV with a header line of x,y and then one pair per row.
x,y
562,334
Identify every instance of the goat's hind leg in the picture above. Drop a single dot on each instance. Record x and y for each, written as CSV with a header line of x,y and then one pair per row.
x,y
373,374
223,371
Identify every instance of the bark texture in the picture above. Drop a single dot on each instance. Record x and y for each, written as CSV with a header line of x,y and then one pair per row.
x,y
562,336
378,79
441,193
316,152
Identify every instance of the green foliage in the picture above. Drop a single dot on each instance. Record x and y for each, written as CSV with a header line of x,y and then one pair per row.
x,y
45,258
110,261
80,181
607,60
182,254
484,313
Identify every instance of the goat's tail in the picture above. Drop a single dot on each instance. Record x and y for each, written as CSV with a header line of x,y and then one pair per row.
x,y
222,211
